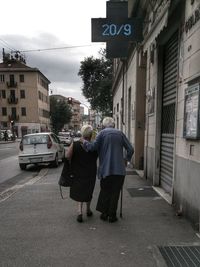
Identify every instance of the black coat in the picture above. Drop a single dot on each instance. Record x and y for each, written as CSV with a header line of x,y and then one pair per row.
x,y
84,165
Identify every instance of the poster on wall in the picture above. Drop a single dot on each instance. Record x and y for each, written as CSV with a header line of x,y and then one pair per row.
x,y
191,114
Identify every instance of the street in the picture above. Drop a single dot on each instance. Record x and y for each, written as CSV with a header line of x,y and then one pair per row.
x,y
8,149
8,161
38,228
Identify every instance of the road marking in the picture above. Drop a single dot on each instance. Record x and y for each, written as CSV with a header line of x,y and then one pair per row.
x,y
12,190
6,148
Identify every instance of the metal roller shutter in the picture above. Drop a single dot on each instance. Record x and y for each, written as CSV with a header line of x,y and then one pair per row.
x,y
168,112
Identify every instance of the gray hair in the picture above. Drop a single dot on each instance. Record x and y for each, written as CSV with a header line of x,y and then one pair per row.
x,y
108,122
86,131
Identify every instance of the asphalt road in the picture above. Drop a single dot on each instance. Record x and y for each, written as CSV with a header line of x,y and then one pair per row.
x,y
8,149
10,173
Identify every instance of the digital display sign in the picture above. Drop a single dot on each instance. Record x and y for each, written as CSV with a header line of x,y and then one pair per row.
x,y
127,29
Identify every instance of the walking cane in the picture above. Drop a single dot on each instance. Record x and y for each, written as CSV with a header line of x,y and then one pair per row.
x,y
121,202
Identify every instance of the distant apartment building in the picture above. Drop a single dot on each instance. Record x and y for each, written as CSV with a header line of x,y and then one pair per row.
x,y
76,120
94,118
24,97
82,111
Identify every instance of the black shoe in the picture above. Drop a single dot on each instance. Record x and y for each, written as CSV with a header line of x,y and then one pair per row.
x,y
79,218
104,217
89,213
112,219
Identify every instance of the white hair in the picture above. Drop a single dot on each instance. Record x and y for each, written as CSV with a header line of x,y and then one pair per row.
x,y
108,122
86,131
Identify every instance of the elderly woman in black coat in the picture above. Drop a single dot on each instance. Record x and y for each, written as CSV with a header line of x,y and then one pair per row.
x,y
84,165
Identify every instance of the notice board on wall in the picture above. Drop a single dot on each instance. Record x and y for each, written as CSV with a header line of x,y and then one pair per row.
x,y
192,112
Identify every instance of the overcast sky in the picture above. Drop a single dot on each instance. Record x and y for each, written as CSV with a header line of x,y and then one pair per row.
x,y
43,24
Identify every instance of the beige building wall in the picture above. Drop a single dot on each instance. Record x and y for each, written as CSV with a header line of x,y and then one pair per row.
x,y
189,71
128,104
117,108
130,98
76,120
31,99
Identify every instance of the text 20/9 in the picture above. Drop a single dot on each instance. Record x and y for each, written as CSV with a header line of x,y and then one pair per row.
x,y
113,29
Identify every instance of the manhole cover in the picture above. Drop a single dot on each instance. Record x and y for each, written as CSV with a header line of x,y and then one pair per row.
x,y
146,191
181,256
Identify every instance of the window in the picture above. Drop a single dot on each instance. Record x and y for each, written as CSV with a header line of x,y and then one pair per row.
x,y
12,94
45,98
22,93
44,84
35,139
14,113
4,111
12,79
40,95
21,78
3,93
2,79
45,113
23,111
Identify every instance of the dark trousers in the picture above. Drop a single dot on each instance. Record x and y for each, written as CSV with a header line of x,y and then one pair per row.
x,y
109,194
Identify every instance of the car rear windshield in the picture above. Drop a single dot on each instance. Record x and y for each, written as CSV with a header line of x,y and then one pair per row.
x,y
35,139
64,134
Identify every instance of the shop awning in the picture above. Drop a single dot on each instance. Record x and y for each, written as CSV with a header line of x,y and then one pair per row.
x,y
158,26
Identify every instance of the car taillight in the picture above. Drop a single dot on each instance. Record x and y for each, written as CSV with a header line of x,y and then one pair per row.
x,y
21,146
49,143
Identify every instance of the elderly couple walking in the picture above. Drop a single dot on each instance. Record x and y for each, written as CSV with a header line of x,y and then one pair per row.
x,y
109,147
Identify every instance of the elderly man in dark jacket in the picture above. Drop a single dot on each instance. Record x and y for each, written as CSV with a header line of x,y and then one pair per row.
x,y
110,144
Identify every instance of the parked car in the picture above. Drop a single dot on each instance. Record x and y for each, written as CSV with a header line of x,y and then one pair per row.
x,y
40,148
77,136
65,138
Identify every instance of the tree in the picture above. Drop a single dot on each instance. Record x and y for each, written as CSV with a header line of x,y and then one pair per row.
x,y
96,74
60,113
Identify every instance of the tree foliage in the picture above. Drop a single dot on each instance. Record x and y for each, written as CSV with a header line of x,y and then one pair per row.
x,y
96,74
60,113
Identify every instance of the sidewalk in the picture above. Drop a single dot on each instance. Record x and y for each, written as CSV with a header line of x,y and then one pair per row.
x,y
38,228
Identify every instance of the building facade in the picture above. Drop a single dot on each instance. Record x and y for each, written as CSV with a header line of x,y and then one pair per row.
x,y
76,121
24,97
94,118
156,99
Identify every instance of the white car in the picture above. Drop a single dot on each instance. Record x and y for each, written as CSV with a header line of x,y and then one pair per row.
x,y
40,148
65,138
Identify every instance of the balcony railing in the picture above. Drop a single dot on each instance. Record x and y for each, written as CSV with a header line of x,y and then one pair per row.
x,y
12,100
13,117
11,84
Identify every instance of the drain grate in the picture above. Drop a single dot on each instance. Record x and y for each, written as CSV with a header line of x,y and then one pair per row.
x,y
181,256
146,191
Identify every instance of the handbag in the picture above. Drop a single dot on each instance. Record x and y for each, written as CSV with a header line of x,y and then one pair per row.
x,y
66,177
